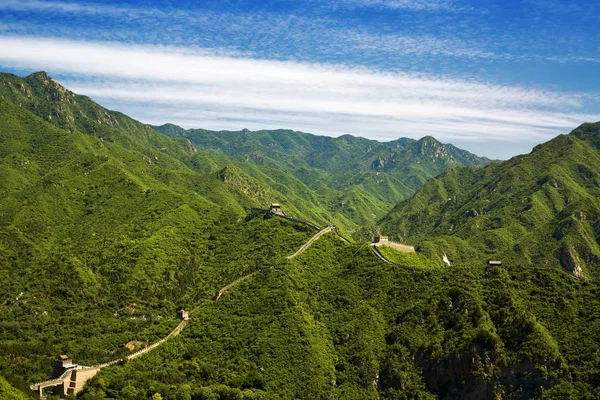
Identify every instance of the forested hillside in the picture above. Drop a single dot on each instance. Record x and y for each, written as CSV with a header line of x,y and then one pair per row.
x,y
108,227
60,108
337,323
358,178
538,210
103,234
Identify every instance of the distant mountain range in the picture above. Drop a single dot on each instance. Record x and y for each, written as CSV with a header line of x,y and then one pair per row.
x,y
358,178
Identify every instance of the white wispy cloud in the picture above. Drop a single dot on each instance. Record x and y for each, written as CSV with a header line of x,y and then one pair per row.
x,y
305,35
65,7
429,5
74,7
204,89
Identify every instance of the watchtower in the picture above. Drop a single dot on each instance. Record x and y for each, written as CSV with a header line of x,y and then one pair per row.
x,y
380,239
61,365
276,209
183,315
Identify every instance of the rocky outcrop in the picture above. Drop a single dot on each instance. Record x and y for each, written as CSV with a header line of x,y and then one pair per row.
x,y
570,262
435,151
377,164
468,375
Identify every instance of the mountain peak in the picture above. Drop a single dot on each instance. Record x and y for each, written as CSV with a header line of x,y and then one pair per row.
x,y
41,75
42,83
170,129
428,139
49,100
41,78
433,149
540,201
588,131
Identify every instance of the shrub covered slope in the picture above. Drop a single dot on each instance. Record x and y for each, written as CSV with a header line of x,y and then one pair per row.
x,y
338,323
538,210
103,234
357,178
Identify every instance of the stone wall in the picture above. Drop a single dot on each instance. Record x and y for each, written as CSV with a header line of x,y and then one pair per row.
x,y
384,241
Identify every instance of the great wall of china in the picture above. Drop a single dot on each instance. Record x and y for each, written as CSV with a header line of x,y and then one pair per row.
x,y
73,380
310,242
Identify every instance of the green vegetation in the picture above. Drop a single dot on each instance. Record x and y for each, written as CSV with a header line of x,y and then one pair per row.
x,y
355,180
539,210
337,323
407,259
103,239
7,392
107,227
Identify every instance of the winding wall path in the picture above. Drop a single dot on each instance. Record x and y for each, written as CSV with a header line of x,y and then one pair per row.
x,y
340,236
73,380
375,251
229,286
310,241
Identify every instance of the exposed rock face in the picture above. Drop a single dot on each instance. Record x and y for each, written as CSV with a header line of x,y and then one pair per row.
x,y
446,260
570,262
434,150
378,164
191,147
525,381
476,374
471,374
52,102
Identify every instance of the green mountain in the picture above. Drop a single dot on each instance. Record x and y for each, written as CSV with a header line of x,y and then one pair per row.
x,y
541,209
356,178
108,227
63,109
337,323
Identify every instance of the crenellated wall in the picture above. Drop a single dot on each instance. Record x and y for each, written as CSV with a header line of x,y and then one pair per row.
x,y
73,380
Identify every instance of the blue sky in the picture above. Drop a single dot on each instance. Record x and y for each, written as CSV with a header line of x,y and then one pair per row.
x,y
493,77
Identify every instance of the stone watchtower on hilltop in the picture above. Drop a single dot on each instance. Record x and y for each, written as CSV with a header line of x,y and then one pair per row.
x,y
61,365
276,209
381,239
183,315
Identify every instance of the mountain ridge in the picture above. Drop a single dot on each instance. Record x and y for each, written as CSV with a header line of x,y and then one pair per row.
x,y
422,143
539,208
350,173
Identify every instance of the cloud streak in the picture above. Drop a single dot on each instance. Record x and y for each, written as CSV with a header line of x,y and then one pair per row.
x,y
73,7
308,35
154,84
67,7
419,5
